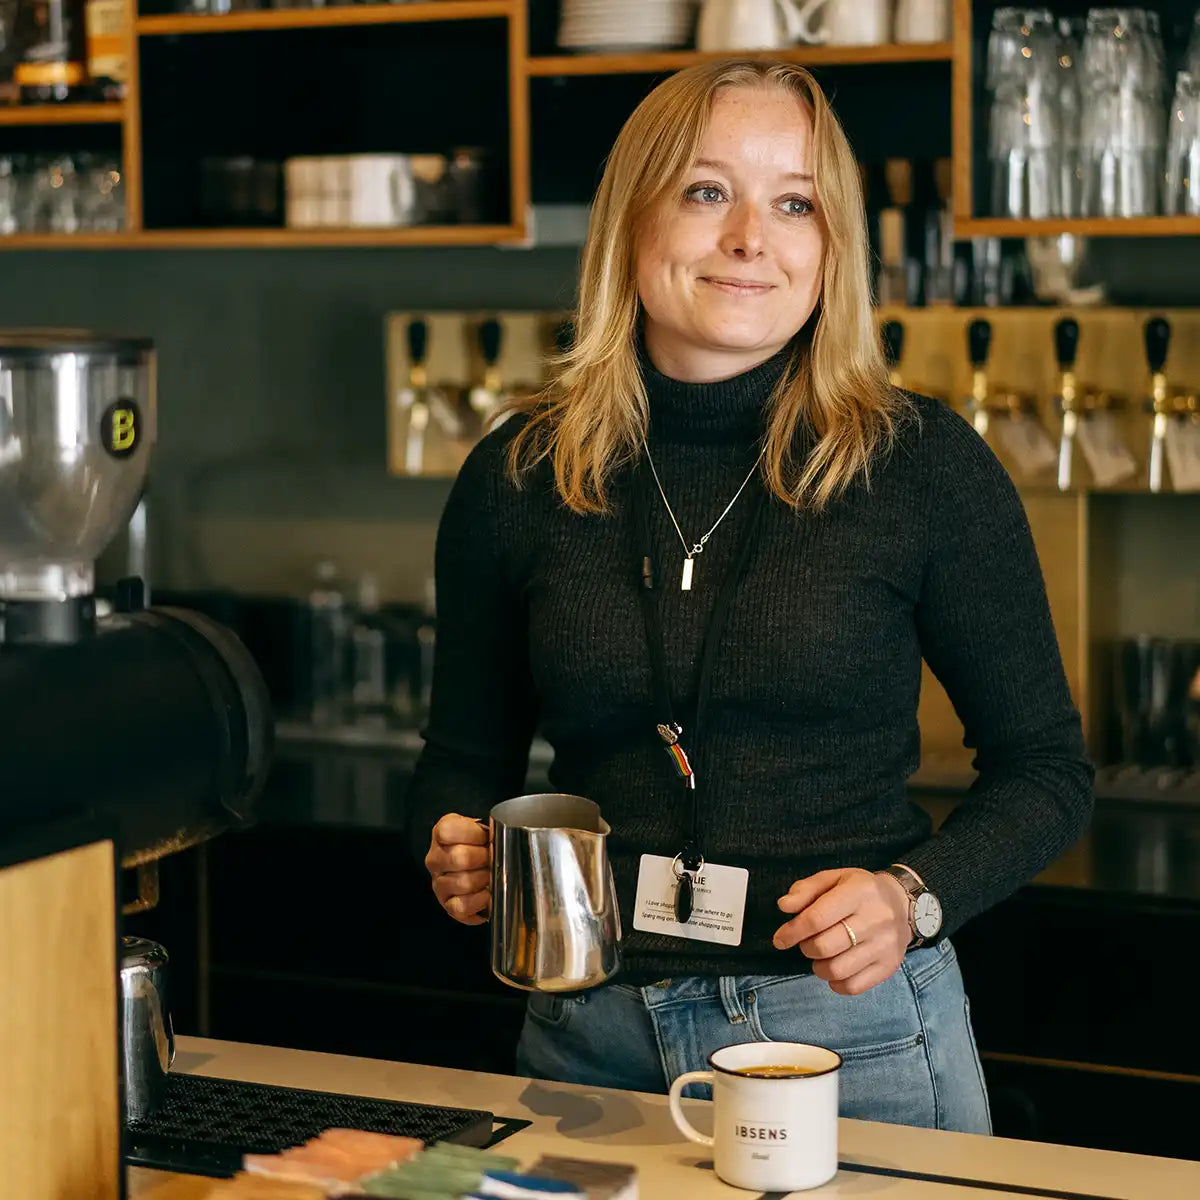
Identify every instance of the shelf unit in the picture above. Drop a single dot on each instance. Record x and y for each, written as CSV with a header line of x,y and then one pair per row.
x,y
523,71
128,116
662,62
1005,227
322,18
62,114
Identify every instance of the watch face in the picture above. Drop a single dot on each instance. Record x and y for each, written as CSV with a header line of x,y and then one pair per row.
x,y
927,915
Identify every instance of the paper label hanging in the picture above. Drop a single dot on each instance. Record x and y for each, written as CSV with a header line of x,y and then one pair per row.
x,y
1183,455
1104,450
1027,442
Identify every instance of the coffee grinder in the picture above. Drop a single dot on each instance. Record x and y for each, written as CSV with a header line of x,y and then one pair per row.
x,y
125,736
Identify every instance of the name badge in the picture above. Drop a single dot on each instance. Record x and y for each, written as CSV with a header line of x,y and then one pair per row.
x,y
719,903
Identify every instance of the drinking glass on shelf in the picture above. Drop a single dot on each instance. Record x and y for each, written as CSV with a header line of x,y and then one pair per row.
x,y
1122,94
102,194
1191,58
10,200
1025,134
1182,195
61,194
1070,116
59,184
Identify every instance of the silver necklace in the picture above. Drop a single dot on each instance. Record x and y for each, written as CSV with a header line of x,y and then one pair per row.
x,y
691,551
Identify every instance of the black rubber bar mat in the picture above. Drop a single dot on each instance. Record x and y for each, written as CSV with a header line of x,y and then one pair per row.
x,y
205,1125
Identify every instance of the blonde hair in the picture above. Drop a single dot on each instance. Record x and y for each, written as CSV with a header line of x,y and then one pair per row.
x,y
593,418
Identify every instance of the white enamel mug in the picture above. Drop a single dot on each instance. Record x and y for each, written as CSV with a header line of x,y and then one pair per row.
x,y
770,1133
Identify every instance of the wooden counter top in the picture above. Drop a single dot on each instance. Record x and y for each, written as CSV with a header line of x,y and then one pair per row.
x,y
882,1162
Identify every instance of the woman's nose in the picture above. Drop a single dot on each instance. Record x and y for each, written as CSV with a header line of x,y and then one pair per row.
x,y
742,235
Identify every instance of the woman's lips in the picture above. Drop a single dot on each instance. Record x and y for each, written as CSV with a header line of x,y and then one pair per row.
x,y
738,287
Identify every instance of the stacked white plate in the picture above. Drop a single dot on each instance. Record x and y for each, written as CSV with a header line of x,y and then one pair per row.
x,y
610,25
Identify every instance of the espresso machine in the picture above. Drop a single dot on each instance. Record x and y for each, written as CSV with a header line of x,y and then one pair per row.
x,y
126,735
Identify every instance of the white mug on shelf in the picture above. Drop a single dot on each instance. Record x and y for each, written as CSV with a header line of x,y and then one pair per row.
x,y
755,24
775,1114
922,20
856,22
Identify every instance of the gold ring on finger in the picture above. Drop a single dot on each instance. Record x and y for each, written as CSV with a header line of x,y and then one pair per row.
x,y
849,934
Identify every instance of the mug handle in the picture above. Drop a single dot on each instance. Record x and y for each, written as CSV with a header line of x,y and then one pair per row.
x,y
673,1099
798,21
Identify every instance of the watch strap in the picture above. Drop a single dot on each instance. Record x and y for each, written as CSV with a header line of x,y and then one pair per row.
x,y
908,879
913,886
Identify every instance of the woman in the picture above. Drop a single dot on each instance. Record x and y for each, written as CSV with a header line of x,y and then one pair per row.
x,y
715,553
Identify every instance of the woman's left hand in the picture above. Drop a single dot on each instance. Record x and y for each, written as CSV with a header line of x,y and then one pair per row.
x,y
874,906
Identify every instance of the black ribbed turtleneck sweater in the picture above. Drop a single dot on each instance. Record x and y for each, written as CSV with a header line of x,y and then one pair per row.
x,y
811,732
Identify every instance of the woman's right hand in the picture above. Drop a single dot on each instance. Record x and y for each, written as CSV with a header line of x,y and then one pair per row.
x,y
460,862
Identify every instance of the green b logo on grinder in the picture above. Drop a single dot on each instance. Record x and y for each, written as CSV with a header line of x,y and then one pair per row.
x,y
121,427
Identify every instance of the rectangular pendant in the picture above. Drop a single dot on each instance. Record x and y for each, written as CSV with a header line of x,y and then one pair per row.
x,y
685,584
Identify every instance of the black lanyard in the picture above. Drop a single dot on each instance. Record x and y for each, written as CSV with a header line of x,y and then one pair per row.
x,y
691,859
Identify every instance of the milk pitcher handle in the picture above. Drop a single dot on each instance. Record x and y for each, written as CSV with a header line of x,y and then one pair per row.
x,y
673,1099
485,823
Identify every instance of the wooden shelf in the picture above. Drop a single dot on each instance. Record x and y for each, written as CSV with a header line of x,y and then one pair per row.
x,y
65,241
147,239
315,18
657,62
1005,227
62,114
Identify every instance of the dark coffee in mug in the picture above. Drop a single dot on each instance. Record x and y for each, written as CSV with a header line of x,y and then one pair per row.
x,y
773,1072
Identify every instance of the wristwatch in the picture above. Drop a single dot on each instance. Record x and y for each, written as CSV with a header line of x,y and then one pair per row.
x,y
924,908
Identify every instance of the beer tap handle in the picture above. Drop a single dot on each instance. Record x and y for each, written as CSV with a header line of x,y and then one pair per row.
x,y
1066,349
418,378
491,339
1066,343
418,343
979,345
1158,343
979,342
893,348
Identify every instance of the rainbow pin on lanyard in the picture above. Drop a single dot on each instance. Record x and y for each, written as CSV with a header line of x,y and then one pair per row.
x,y
670,735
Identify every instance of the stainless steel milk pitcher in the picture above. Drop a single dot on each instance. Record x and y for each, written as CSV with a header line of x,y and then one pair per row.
x,y
555,924
147,1036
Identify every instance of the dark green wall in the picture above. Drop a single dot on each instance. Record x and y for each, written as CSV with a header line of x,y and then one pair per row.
x,y
271,366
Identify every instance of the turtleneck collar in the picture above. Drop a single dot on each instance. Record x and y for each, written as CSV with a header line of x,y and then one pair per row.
x,y
725,411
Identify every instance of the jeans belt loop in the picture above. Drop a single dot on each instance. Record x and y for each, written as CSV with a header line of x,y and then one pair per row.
x,y
731,1002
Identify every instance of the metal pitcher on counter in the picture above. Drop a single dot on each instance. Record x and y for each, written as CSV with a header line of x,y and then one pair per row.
x,y
147,1036
555,923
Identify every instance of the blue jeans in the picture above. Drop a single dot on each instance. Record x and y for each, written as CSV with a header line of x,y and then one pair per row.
x,y
907,1046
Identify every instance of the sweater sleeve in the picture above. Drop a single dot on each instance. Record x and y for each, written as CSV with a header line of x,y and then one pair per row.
x,y
986,632
483,708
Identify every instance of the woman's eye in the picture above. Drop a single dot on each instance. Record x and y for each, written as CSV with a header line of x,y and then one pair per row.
x,y
706,193
797,206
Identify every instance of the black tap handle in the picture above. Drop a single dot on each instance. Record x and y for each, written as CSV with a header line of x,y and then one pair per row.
x,y
491,334
1158,342
564,336
979,342
1066,343
893,343
418,339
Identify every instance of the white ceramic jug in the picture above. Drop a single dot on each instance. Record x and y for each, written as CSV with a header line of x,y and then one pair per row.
x,y
855,22
755,24
922,20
